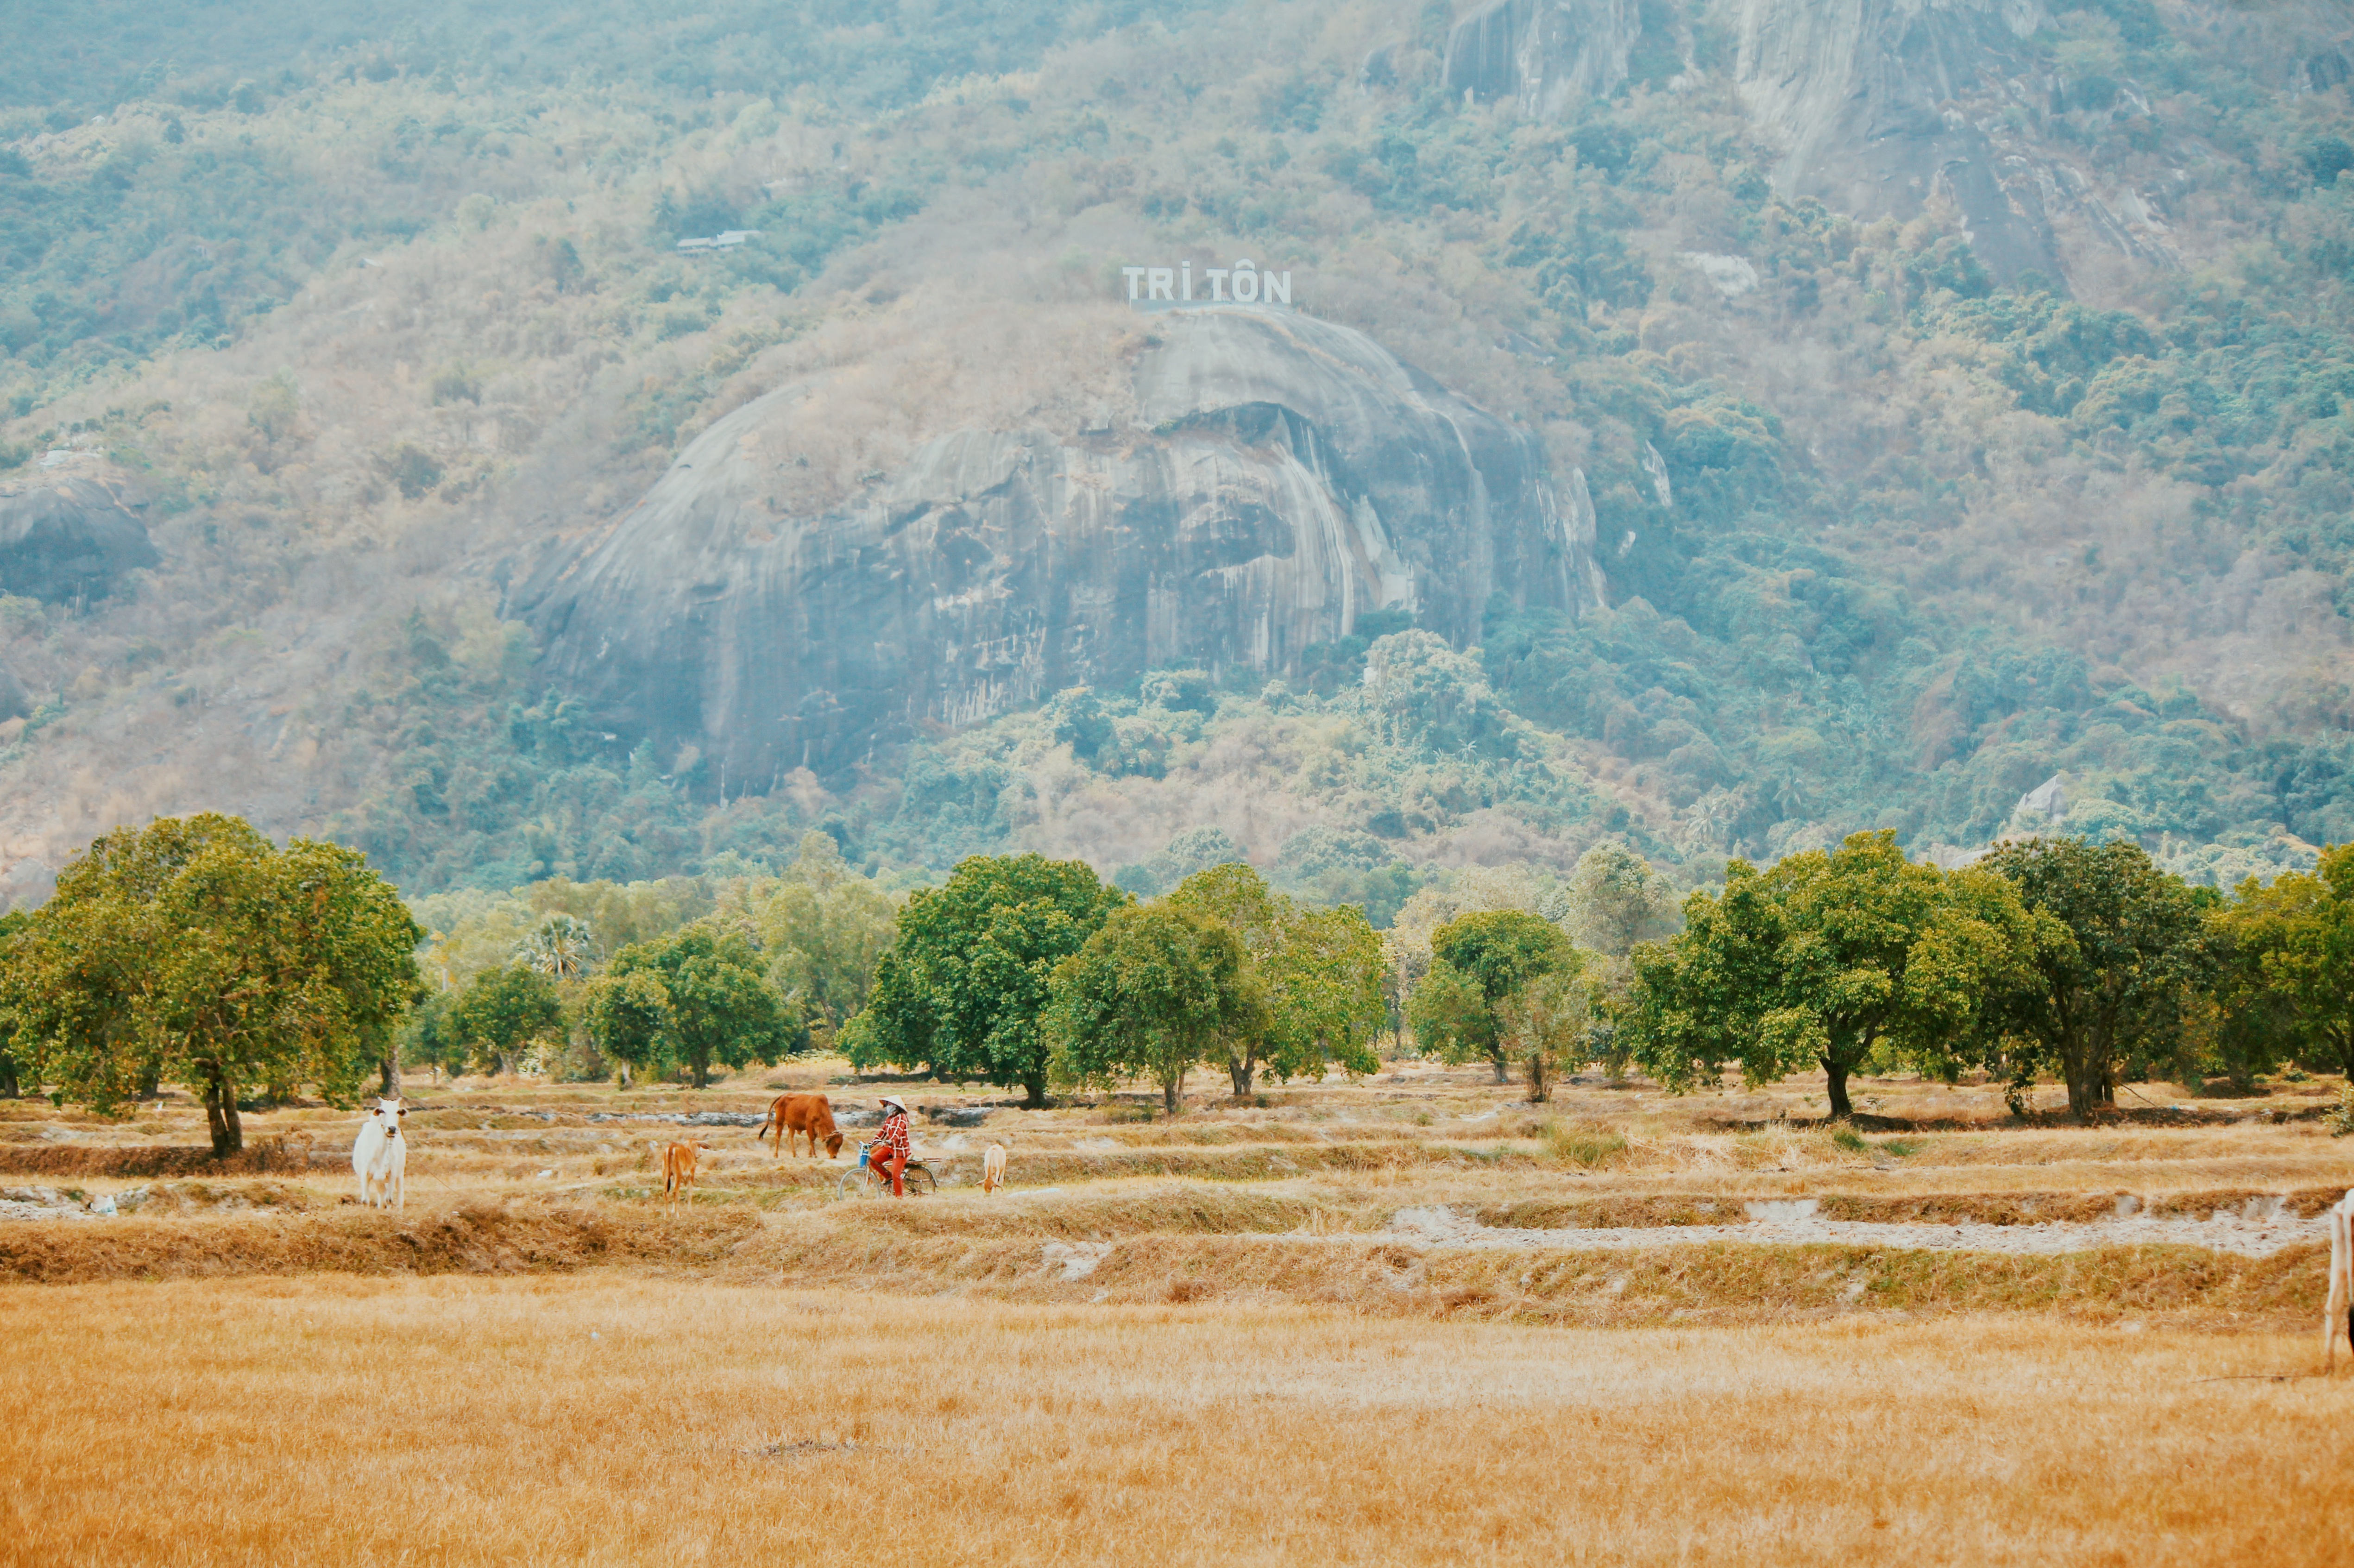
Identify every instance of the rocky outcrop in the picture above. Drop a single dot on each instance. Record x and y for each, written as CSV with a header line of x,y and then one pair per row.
x,y
1878,109
70,538
1543,55
1282,477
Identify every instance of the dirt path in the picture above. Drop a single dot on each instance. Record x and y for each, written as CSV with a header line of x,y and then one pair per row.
x,y
2259,1230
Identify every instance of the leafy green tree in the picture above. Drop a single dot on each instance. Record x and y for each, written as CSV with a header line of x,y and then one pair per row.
x,y
1319,971
1323,987
2296,940
10,923
825,928
1490,953
194,947
966,981
1542,1025
1616,899
1152,992
691,999
1826,959
501,1012
430,1039
2116,962
625,1015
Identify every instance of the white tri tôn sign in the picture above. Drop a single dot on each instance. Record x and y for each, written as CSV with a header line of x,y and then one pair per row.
x,y
1241,284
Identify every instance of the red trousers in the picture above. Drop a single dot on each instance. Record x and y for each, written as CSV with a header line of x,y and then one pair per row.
x,y
891,1162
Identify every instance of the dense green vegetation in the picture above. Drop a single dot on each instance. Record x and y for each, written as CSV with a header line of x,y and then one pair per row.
x,y
196,949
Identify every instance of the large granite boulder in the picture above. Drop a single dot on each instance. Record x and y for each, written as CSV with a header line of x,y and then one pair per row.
x,y
70,538
1280,477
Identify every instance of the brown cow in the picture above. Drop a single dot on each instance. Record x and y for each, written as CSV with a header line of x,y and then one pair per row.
x,y
680,1162
795,1117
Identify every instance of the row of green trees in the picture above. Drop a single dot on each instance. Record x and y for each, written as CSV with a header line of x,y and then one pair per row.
x,y
2086,962
681,975
698,998
1026,972
195,950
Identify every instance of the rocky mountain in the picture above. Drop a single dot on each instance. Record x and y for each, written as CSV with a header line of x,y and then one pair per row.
x,y
1274,478
1717,425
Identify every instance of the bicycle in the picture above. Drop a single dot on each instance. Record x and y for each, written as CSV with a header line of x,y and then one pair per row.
x,y
868,1180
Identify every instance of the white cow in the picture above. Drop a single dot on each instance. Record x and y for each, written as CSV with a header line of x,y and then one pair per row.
x,y
2338,1318
380,1157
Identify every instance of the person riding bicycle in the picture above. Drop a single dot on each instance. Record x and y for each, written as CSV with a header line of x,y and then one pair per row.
x,y
892,1148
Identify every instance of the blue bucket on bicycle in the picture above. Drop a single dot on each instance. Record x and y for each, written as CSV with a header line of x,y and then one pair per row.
x,y
864,1153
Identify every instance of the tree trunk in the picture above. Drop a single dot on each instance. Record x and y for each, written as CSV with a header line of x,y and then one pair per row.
x,y
1034,1091
1170,1091
1242,1069
2083,1087
391,1068
703,1069
8,1090
1504,1071
220,1116
1540,1090
1835,1074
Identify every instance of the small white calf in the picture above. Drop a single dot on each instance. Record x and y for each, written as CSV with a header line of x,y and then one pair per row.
x,y
992,1168
380,1157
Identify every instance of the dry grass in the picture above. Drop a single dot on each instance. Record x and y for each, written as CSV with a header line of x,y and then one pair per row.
x,y
611,1421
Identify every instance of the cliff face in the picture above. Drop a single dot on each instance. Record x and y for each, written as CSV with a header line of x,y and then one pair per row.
x,y
1544,54
1882,105
1282,477
1878,107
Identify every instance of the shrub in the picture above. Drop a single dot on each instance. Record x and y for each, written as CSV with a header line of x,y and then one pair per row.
x,y
1584,1144
2341,1119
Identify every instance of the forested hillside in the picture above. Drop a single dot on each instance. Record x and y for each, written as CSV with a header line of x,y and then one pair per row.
x,y
367,316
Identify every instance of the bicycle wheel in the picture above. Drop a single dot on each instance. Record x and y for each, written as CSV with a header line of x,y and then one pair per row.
x,y
856,1184
921,1179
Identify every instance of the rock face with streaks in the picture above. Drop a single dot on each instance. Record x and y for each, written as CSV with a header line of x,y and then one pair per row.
x,y
1545,56
1282,477
64,539
1879,108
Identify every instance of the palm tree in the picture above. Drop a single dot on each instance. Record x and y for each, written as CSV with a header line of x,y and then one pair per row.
x,y
561,946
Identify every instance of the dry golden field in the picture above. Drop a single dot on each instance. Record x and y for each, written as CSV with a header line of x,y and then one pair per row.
x,y
628,1419
1409,1319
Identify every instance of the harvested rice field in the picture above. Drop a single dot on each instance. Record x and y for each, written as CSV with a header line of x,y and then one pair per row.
x,y
1408,1318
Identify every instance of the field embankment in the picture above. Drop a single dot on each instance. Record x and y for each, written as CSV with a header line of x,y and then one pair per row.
x,y
1198,1245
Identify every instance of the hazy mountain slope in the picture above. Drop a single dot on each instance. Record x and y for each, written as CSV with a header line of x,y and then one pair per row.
x,y
1882,541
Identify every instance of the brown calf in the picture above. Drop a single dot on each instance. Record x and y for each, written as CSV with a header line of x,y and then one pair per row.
x,y
795,1117
680,1162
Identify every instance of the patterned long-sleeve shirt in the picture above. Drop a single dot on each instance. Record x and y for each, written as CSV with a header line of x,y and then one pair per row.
x,y
895,1133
